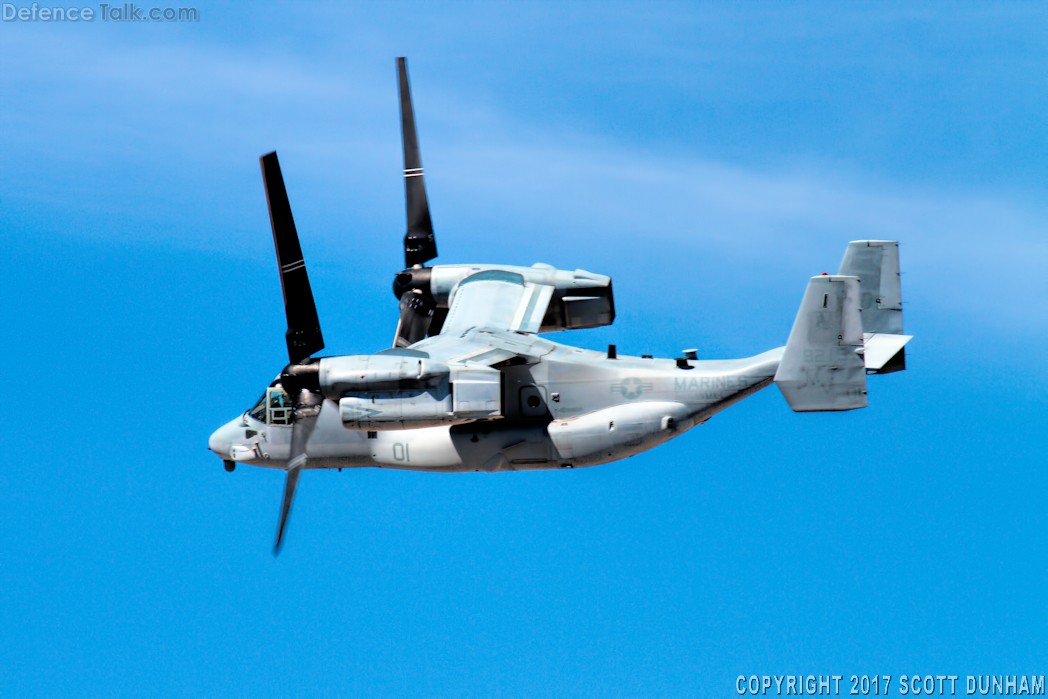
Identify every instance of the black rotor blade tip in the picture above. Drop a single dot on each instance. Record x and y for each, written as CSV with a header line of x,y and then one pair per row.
x,y
303,336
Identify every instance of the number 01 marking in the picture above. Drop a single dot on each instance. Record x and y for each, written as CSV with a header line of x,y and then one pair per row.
x,y
401,452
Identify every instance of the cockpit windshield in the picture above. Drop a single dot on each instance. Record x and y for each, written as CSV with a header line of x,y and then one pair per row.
x,y
273,408
259,411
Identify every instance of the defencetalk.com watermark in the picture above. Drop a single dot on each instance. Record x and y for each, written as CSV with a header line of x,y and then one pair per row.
x,y
102,12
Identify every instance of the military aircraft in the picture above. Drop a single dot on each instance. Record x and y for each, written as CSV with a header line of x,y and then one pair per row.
x,y
470,385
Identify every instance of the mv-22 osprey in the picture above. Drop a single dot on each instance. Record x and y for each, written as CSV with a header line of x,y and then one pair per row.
x,y
470,384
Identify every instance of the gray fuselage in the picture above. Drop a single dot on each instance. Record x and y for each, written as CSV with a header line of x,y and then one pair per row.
x,y
572,407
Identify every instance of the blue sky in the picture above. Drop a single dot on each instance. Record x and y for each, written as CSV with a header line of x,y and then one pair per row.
x,y
709,157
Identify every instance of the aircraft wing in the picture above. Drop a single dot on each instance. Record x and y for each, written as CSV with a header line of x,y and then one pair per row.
x,y
497,300
491,316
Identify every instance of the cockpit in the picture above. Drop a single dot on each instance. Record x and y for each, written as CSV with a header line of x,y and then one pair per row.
x,y
274,407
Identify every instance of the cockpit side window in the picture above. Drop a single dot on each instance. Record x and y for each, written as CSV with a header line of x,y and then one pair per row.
x,y
279,409
273,408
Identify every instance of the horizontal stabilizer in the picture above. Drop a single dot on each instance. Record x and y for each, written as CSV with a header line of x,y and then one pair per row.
x,y
885,352
822,368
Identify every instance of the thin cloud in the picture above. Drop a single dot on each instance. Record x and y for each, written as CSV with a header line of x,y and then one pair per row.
x,y
490,172
976,252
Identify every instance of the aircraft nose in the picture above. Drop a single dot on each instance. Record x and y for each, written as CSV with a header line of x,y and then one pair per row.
x,y
213,442
219,442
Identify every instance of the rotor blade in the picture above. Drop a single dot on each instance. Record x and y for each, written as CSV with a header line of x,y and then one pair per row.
x,y
303,334
420,246
289,495
416,314
300,433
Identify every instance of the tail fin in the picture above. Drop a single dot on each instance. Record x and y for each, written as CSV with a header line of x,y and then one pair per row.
x,y
822,367
876,264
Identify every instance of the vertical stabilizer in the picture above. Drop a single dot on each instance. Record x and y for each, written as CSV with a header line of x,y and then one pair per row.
x,y
822,367
876,264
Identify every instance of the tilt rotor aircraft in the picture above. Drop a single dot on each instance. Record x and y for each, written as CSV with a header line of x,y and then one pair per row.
x,y
470,385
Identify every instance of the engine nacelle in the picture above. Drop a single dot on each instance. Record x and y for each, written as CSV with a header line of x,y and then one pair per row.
x,y
461,395
380,372
616,432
